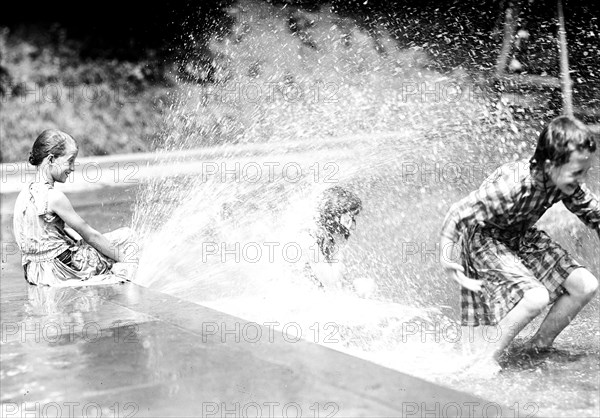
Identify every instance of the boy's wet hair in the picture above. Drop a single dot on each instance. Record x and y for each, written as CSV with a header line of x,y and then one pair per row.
x,y
559,139
334,202
51,141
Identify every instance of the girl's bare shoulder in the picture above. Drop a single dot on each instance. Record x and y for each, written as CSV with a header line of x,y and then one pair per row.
x,y
57,199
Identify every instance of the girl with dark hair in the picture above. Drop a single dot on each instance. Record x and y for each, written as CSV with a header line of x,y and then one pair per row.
x,y
335,220
58,247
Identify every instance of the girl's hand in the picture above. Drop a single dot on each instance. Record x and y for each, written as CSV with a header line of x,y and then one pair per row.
x,y
125,270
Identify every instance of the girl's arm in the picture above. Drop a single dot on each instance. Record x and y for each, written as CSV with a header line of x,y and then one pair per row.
x,y
59,204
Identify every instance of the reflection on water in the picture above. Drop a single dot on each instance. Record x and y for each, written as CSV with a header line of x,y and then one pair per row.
x,y
68,330
64,303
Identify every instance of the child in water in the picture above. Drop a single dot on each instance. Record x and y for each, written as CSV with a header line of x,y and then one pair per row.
x,y
508,269
58,247
335,221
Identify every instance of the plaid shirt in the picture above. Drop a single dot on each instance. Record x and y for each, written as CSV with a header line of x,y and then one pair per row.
x,y
512,200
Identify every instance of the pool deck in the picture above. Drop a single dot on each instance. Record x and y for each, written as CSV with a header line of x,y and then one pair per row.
x,y
124,350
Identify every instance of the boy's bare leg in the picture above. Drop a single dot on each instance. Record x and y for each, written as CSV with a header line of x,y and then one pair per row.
x,y
532,303
478,339
581,285
493,340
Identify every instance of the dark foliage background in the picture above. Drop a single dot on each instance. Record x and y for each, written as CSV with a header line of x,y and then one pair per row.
x,y
135,52
126,29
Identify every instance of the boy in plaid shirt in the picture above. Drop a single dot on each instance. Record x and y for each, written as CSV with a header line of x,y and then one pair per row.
x,y
508,269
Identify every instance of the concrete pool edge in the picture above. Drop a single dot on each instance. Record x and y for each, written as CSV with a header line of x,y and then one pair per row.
x,y
312,373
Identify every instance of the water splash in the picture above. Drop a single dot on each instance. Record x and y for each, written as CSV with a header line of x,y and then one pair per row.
x,y
301,113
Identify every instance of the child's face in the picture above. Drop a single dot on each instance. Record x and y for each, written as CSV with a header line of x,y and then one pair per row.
x,y
569,176
61,167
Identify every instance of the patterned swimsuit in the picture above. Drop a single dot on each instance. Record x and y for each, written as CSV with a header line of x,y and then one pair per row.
x,y
49,255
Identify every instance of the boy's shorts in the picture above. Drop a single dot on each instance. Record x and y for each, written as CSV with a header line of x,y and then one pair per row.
x,y
508,268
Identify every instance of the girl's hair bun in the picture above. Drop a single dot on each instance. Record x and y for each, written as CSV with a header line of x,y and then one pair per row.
x,y
51,141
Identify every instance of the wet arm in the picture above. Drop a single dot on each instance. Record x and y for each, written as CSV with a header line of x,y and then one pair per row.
x,y
586,206
481,207
59,204
450,258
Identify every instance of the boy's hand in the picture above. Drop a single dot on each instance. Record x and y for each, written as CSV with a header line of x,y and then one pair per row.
x,y
471,284
456,272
